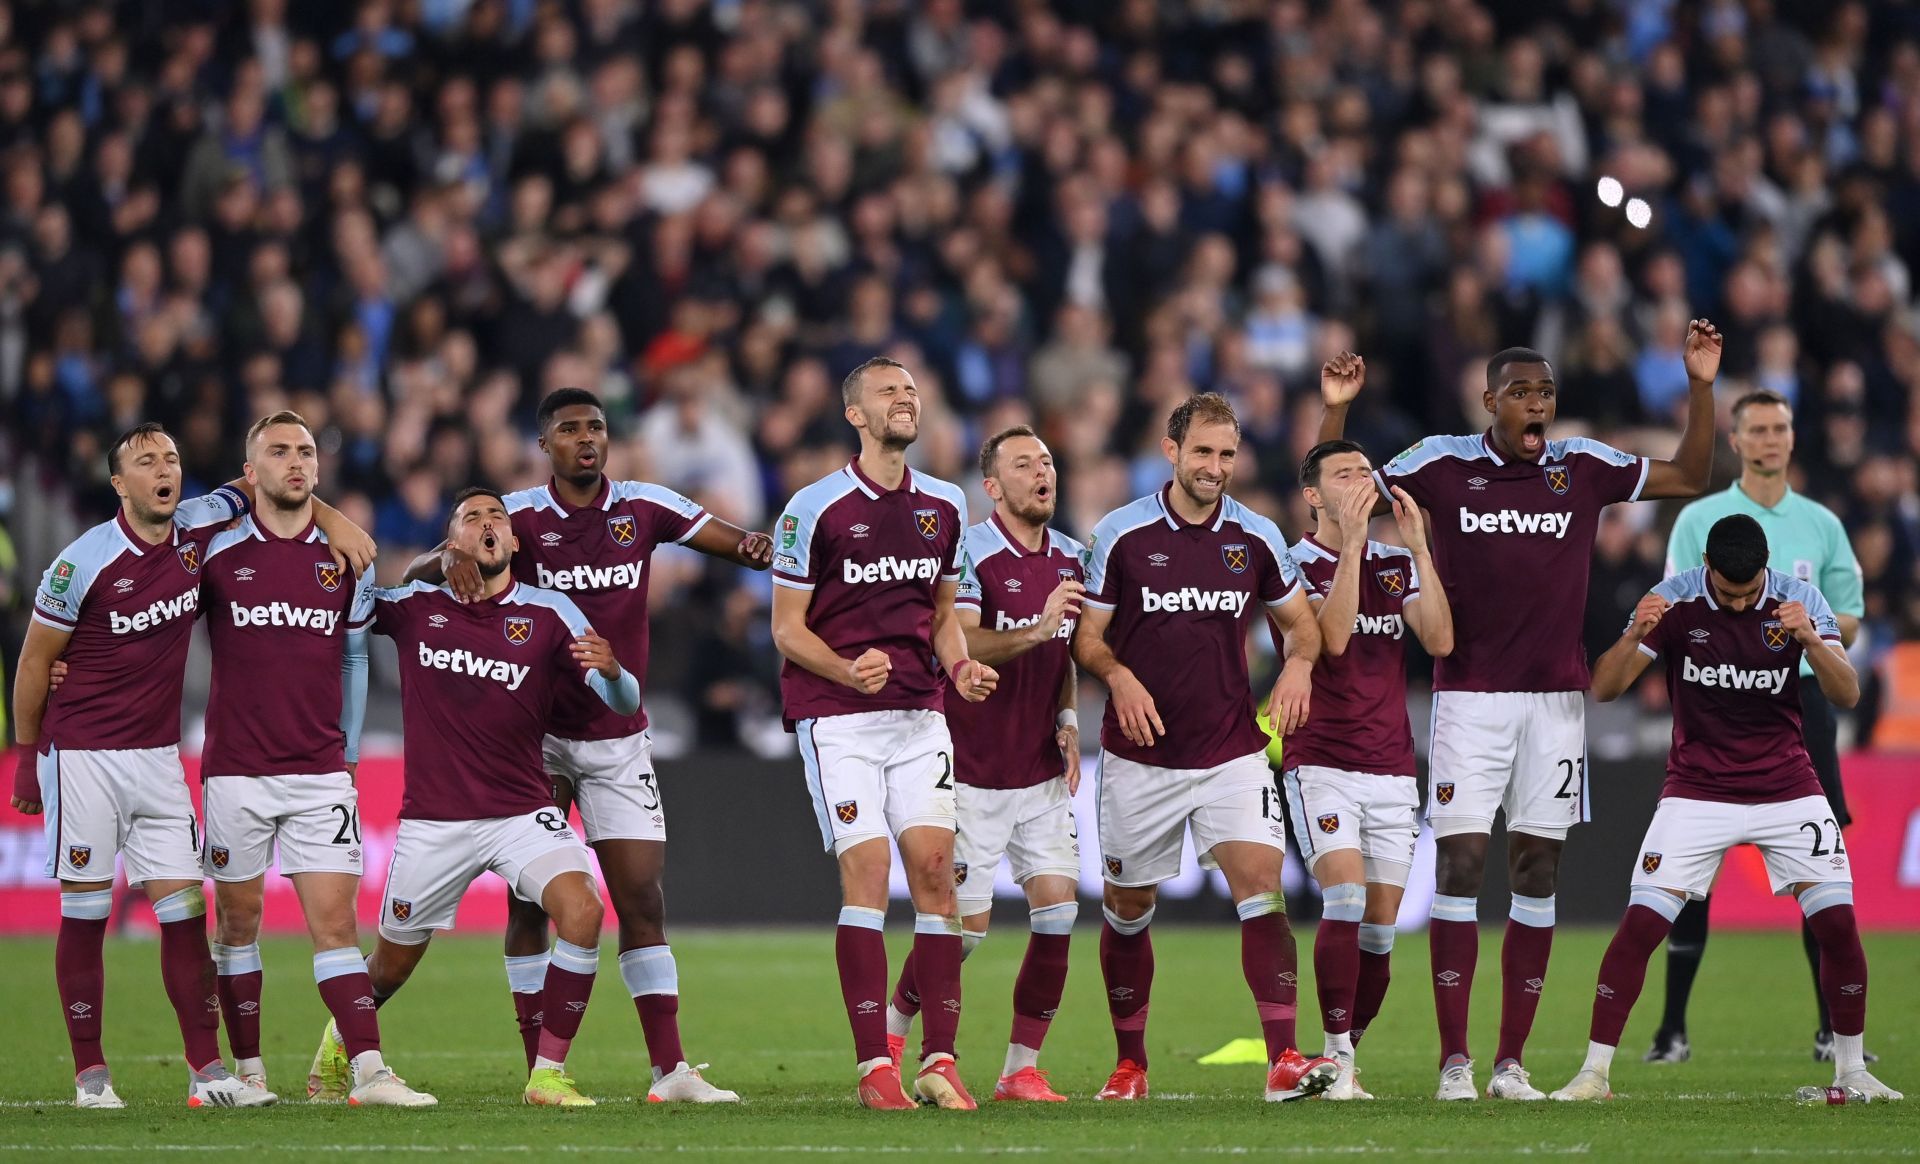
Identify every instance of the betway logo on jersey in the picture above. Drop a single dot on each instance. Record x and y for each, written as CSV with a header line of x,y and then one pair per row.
x,y
155,614
1002,622
464,662
1390,625
625,576
1738,678
1191,598
1513,521
890,570
285,614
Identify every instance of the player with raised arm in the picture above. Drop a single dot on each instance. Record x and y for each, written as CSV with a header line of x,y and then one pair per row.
x,y
1017,758
1734,634
1351,791
1514,518
283,728
1174,581
864,576
593,538
478,685
102,755
1807,540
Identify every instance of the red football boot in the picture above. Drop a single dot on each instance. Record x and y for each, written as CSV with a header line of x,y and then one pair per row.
x,y
1028,1083
880,1089
1128,1081
1294,1076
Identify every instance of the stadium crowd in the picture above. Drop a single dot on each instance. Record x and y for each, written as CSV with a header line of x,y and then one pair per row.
x,y
410,219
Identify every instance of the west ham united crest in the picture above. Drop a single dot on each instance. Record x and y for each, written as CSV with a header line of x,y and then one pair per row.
x,y
621,529
1393,581
1774,635
401,910
848,811
328,575
1329,822
1443,793
190,557
1559,478
219,856
79,856
1650,862
1235,557
1113,866
518,629
927,521
959,873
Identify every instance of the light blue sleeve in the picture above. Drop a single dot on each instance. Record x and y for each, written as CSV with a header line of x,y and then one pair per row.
x,y
1685,544
353,687
622,694
216,508
1840,578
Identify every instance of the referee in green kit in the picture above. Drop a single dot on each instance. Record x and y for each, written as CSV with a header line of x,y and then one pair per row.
x,y
1804,539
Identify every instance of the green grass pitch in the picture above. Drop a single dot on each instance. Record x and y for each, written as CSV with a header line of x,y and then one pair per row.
x,y
764,1008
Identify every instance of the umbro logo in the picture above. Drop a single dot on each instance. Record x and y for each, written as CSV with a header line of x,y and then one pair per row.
x,y
243,574
1476,482
1289,977
1447,977
577,1006
952,1005
550,537
437,619
123,585
365,1002
80,1009
1120,993
1338,1012
867,1006
249,1007
1603,990
1534,985
1699,634
1158,559
1013,584
860,529
1853,988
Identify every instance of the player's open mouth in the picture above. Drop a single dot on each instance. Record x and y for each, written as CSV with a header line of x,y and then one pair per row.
x,y
488,541
1533,438
1043,492
163,493
588,457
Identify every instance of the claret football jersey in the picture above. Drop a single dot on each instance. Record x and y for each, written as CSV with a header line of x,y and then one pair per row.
x,y
1514,540
278,613
872,559
1733,678
1358,718
1006,741
599,556
129,607
1183,598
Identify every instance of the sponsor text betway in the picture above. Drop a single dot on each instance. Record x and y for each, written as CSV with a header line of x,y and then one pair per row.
x,y
155,614
285,614
465,662
621,576
1514,521
890,570
1192,598
1737,678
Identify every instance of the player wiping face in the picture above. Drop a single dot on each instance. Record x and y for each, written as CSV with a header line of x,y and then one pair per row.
x,y
480,529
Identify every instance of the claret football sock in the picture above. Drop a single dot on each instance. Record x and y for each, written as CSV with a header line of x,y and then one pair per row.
x,y
1843,964
341,975
1453,934
1376,971
905,1002
936,948
1041,981
1126,965
860,949
238,979
1270,963
527,978
186,967
80,969
653,980
1336,956
1523,972
570,973
1623,969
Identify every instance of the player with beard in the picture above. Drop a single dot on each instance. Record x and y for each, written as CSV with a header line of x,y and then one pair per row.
x,y
117,608
593,538
1017,758
1514,518
283,736
864,576
478,684
1174,581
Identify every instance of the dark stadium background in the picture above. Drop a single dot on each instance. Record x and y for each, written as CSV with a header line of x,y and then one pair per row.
x,y
410,220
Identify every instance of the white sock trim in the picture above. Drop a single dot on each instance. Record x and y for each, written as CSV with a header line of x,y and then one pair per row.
x,y
1054,919
93,905
1261,905
861,917
1456,909
1658,900
526,973
1128,926
184,905
1532,911
579,959
650,970
338,963
1346,902
1376,938
1825,895
936,924
231,960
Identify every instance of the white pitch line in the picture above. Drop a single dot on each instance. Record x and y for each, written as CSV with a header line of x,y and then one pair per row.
x,y
1367,1149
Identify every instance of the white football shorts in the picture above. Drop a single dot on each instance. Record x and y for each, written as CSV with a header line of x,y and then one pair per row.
x,y
1144,811
129,803
435,860
1524,752
1033,828
314,821
613,784
1378,815
1687,839
877,773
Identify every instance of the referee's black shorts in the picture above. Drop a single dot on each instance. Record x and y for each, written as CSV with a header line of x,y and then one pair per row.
x,y
1821,730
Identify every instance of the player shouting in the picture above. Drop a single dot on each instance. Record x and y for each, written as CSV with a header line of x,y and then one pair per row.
x,y
863,611
593,538
478,683
117,607
1514,518
1350,772
283,725
1018,757
1734,634
1172,581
